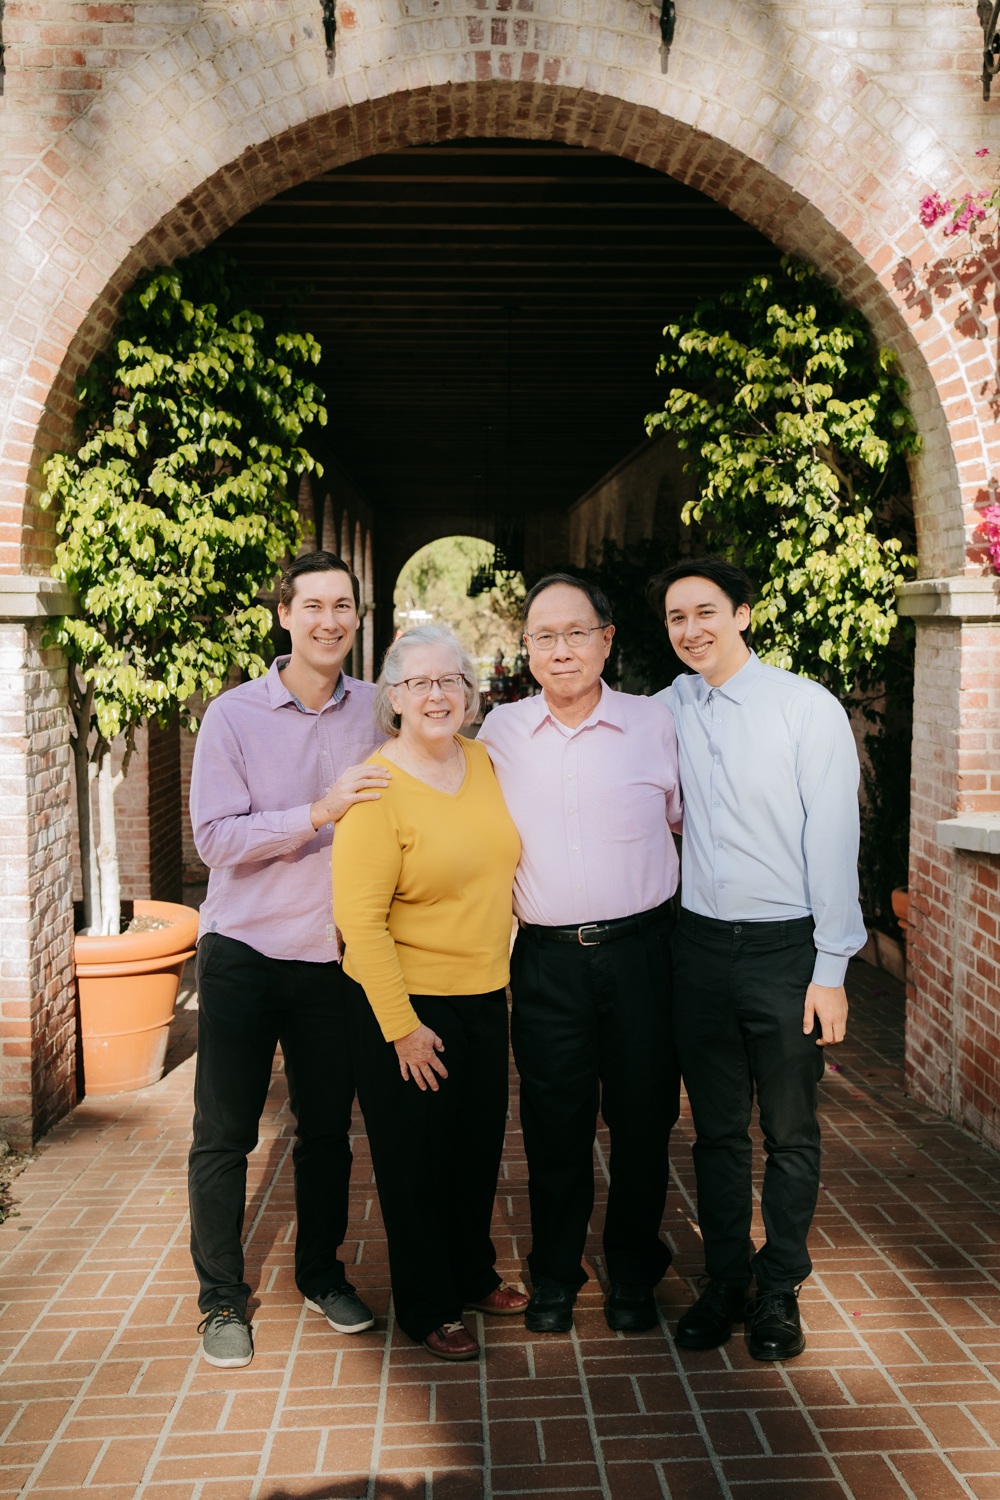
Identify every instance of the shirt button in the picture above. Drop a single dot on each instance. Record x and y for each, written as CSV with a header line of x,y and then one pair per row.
x,y
718,760
574,848
720,844
579,887
717,804
570,776
571,811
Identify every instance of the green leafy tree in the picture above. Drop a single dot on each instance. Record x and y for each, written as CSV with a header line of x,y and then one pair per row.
x,y
174,513
799,436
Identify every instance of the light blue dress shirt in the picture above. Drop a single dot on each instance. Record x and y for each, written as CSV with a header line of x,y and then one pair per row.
x,y
769,775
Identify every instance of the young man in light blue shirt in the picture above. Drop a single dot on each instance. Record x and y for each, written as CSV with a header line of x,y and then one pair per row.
x,y
769,919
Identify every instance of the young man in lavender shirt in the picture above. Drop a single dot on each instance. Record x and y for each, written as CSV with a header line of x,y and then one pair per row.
x,y
277,762
590,779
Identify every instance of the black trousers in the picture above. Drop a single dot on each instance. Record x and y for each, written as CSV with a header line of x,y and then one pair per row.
x,y
436,1155
247,1004
739,990
590,1029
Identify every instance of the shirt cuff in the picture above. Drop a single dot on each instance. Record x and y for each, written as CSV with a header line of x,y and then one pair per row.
x,y
300,823
829,970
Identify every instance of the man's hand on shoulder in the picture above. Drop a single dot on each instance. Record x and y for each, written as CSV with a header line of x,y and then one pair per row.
x,y
827,1005
357,784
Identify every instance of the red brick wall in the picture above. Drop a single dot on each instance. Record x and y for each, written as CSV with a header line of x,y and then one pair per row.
x,y
953,1007
37,995
166,860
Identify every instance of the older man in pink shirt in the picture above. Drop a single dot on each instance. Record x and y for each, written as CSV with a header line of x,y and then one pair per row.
x,y
590,778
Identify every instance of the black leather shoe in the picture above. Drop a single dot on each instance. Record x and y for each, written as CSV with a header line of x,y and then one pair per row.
x,y
776,1332
550,1310
630,1307
709,1322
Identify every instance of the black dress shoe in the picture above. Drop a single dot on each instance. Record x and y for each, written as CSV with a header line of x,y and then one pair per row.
x,y
630,1307
776,1332
550,1309
709,1322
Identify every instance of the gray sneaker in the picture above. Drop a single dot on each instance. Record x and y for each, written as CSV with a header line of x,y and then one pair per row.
x,y
343,1309
227,1340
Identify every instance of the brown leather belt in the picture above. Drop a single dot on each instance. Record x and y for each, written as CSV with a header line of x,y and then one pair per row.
x,y
591,934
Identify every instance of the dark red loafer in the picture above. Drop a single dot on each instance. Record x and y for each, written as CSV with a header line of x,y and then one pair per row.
x,y
505,1301
451,1341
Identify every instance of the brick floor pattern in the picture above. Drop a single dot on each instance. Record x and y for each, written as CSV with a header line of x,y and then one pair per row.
x,y
898,1393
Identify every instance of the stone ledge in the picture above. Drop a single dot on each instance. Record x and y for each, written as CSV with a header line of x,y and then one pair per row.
x,y
950,598
25,598
977,832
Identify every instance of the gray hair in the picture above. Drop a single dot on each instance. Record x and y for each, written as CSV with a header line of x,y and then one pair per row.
x,y
394,670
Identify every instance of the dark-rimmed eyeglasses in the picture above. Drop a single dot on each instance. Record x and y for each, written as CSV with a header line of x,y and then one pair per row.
x,y
420,686
544,640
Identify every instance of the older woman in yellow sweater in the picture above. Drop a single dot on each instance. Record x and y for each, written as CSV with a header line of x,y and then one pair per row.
x,y
423,875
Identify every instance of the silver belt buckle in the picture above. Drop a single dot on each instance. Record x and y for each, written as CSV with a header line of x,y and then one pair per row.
x,y
580,938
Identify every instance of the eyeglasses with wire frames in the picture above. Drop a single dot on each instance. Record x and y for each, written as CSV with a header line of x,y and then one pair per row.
x,y
421,686
544,640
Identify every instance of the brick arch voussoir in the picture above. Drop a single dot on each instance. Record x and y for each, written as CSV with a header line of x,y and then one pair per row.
x,y
827,228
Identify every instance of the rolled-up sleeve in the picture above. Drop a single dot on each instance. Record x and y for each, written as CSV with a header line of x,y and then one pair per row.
x,y
828,774
226,832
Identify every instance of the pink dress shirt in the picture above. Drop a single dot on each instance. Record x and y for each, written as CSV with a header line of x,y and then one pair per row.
x,y
261,760
594,806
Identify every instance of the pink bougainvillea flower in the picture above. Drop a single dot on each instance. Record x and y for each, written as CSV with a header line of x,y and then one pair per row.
x,y
983,151
967,216
932,208
991,530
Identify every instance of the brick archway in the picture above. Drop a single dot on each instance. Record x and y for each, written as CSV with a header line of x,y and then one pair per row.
x,y
186,136
192,135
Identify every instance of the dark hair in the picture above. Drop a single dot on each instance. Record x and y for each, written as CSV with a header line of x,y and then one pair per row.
x,y
316,562
731,580
601,607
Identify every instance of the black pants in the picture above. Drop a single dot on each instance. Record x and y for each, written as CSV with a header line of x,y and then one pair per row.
x,y
436,1155
739,990
591,1030
247,1004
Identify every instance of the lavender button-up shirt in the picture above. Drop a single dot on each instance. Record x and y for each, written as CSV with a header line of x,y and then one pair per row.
x,y
593,805
260,762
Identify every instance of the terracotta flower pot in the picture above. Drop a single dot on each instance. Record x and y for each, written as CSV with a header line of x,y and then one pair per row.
x,y
128,987
901,906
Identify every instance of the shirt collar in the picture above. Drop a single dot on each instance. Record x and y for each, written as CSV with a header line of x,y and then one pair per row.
x,y
278,694
608,711
738,687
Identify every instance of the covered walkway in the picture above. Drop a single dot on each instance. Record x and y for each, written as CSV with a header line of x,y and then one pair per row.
x,y
897,1395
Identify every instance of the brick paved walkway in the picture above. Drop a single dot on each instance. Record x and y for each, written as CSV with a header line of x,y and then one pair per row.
x,y
898,1393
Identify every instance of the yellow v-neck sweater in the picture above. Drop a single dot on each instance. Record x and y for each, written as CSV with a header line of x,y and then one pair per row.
x,y
422,890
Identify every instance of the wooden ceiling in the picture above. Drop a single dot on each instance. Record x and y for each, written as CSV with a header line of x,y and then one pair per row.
x,y
490,311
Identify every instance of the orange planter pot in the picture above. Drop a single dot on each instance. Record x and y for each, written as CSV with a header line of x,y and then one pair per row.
x,y
127,988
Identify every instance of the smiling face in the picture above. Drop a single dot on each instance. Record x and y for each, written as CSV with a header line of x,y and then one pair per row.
x,y
565,671
322,621
704,629
435,715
